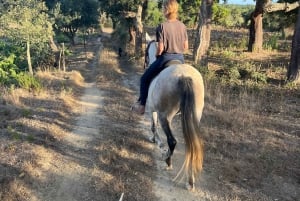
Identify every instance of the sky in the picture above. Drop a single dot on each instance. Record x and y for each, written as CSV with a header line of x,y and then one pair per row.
x,y
241,2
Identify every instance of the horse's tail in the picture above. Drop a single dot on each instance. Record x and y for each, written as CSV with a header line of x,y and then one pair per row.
x,y
190,126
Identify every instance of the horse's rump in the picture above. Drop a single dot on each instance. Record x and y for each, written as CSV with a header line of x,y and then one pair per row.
x,y
164,91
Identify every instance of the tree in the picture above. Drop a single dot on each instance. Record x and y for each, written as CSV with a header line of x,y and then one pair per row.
x,y
139,30
70,16
255,43
133,12
153,15
203,33
26,22
294,67
189,10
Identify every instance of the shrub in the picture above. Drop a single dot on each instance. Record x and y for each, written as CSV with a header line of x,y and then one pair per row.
x,y
62,38
7,69
11,75
258,77
272,42
27,81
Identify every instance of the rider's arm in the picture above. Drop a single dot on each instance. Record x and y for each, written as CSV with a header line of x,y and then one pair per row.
x,y
186,45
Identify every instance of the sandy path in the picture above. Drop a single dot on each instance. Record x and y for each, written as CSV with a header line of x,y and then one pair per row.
x,y
73,172
86,128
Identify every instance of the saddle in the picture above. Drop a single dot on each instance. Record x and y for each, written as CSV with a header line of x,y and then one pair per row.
x,y
172,62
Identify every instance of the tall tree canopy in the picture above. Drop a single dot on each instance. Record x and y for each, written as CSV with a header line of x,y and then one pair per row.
x,y
189,11
154,15
118,9
131,13
72,15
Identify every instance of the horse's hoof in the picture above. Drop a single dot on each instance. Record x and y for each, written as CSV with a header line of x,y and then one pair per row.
x,y
169,167
169,162
190,187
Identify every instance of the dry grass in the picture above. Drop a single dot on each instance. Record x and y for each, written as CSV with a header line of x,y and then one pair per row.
x,y
252,134
30,120
252,143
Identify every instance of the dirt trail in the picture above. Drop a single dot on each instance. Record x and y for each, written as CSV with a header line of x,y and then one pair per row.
x,y
85,132
86,126
73,171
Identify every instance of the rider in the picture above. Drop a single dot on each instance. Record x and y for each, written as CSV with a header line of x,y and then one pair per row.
x,y
172,40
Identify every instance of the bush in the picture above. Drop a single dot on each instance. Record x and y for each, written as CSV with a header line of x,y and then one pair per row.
x,y
27,81
272,42
259,77
7,69
10,75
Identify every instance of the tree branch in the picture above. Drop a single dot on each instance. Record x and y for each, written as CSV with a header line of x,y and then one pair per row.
x,y
128,14
272,7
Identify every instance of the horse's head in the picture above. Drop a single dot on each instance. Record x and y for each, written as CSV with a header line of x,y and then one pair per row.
x,y
150,54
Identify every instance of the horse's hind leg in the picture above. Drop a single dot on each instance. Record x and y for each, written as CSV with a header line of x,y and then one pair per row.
x,y
165,124
191,182
154,124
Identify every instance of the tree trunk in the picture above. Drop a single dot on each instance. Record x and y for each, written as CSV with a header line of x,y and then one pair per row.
x,y
132,34
29,57
52,45
139,32
255,33
294,67
130,49
55,51
255,43
63,57
203,33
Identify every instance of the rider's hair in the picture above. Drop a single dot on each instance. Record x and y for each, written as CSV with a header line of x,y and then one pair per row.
x,y
170,8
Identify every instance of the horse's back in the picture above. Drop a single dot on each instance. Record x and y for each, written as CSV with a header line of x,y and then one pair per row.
x,y
164,91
